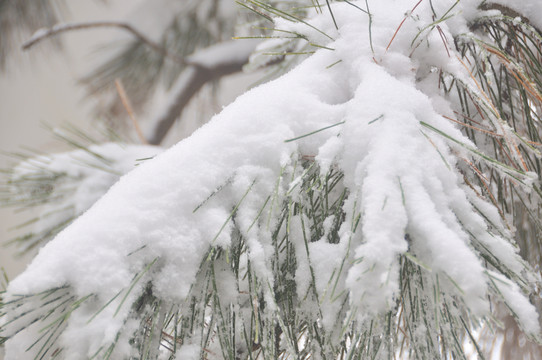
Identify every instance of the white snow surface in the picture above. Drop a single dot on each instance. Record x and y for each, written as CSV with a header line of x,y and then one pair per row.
x,y
224,53
402,178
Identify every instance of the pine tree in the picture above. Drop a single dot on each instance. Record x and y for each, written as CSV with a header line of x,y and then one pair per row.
x,y
379,199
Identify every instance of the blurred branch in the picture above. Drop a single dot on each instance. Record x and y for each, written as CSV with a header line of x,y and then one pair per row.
x,y
19,19
129,109
44,33
204,66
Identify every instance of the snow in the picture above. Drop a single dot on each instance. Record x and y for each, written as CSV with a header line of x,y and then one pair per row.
x,y
188,352
520,306
74,180
528,9
403,180
40,33
224,53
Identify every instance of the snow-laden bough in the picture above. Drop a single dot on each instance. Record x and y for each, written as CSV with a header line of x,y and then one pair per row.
x,y
324,212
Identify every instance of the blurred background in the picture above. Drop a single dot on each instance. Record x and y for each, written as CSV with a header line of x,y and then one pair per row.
x,y
41,88
38,87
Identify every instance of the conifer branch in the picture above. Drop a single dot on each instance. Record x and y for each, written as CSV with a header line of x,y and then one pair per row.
x,y
207,65
45,33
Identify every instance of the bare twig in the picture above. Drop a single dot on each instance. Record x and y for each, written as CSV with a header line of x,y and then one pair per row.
x,y
64,27
206,65
402,22
129,109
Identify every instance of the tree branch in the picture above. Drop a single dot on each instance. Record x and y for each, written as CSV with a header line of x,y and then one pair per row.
x,y
44,33
204,66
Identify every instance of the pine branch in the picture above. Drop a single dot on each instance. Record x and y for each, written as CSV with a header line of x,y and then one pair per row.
x,y
20,18
59,187
186,28
45,33
205,66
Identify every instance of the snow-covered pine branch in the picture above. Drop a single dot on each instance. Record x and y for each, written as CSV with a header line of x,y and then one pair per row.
x,y
334,212
60,187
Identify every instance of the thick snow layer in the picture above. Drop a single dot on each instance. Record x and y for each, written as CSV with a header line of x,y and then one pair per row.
x,y
404,184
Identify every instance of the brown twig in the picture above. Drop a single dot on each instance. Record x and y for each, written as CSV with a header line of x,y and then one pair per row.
x,y
484,182
199,72
489,132
45,33
401,24
130,110
444,39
